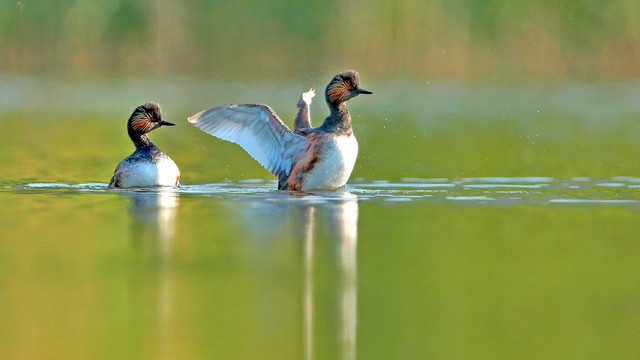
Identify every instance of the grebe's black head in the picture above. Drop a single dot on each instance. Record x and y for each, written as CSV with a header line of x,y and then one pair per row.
x,y
146,118
343,87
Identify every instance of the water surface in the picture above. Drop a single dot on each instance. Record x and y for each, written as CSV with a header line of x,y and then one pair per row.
x,y
381,270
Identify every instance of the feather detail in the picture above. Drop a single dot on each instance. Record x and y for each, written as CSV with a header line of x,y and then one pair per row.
x,y
303,118
257,129
305,162
307,96
337,91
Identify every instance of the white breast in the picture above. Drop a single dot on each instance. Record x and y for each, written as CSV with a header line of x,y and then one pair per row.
x,y
163,172
335,166
168,172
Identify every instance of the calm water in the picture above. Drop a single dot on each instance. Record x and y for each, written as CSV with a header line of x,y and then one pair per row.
x,y
482,221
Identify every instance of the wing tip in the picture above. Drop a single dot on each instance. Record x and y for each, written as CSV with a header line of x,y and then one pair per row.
x,y
308,95
193,119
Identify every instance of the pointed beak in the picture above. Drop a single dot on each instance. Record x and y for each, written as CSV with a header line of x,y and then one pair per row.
x,y
363,91
166,123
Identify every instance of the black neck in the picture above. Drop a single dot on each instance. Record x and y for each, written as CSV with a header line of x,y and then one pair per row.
x,y
141,141
339,120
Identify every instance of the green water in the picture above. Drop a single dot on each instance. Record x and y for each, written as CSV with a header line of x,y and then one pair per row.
x,y
482,220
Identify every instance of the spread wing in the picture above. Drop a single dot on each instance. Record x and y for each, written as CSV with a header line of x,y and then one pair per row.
x,y
257,129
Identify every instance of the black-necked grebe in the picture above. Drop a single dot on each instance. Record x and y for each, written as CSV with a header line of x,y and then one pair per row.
x,y
303,159
148,165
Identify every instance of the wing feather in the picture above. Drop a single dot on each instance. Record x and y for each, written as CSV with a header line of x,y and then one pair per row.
x,y
257,129
303,118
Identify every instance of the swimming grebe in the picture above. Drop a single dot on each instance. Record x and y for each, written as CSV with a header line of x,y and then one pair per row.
x,y
148,165
303,159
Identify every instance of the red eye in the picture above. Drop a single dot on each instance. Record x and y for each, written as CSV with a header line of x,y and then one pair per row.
x,y
350,87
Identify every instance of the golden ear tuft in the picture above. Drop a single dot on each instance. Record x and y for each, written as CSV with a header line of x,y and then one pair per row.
x,y
337,91
141,125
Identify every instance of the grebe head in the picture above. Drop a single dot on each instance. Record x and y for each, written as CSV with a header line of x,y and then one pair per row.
x,y
145,118
343,87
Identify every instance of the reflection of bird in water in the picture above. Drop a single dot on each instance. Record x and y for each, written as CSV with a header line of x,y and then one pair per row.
x,y
153,219
303,159
335,217
342,221
153,230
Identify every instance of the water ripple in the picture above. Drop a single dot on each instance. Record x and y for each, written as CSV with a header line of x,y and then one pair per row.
x,y
497,190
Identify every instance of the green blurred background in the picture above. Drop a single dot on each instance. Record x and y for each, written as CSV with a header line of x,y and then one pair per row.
x,y
399,270
586,39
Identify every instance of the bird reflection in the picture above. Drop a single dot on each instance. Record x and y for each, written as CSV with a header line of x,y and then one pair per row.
x,y
153,230
153,223
342,222
326,225
324,221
